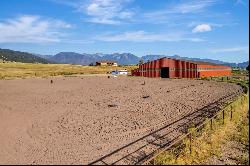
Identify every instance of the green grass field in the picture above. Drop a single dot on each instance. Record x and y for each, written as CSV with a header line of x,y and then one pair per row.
x,y
9,70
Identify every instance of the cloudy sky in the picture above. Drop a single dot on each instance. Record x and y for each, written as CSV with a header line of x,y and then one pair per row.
x,y
216,29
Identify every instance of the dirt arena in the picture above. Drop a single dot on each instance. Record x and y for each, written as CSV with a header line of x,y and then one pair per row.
x,y
99,120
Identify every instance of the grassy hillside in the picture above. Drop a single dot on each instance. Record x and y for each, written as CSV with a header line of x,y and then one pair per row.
x,y
17,56
24,70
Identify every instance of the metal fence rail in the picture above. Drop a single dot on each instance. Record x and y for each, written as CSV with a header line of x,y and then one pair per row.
x,y
188,135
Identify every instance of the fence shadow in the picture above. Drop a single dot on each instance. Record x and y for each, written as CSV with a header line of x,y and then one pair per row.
x,y
194,118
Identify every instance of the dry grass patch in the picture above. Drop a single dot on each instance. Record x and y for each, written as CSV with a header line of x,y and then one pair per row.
x,y
24,70
207,143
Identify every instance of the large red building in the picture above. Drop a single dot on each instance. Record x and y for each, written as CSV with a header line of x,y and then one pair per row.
x,y
174,68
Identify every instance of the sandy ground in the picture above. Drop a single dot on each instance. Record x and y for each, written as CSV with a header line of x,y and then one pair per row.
x,y
99,120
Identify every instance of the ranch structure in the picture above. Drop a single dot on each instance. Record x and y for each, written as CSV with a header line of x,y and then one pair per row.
x,y
106,63
173,68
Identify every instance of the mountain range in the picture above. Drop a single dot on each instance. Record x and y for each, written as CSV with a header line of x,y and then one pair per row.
x,y
87,59
126,59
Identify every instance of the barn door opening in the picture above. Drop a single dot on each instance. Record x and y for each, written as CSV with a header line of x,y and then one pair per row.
x,y
165,72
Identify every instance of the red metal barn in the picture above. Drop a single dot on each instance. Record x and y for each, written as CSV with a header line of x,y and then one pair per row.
x,y
173,68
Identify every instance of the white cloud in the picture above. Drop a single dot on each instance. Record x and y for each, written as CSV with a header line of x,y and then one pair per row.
x,y
117,11
202,28
141,36
99,11
232,49
193,6
195,23
181,8
60,24
106,11
31,29
178,14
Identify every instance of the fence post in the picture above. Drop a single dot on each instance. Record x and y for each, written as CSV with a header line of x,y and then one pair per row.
x,y
190,146
211,124
223,116
231,117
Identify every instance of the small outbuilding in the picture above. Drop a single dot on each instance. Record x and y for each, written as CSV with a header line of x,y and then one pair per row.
x,y
106,63
120,72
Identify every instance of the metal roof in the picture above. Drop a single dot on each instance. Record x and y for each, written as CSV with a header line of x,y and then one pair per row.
x,y
106,61
197,62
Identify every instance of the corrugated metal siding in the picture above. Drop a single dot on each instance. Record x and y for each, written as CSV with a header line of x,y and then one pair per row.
x,y
210,70
157,67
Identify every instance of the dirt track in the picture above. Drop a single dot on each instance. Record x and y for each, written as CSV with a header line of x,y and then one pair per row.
x,y
78,120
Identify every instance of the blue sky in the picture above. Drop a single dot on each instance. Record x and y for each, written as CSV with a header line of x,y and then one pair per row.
x,y
216,29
